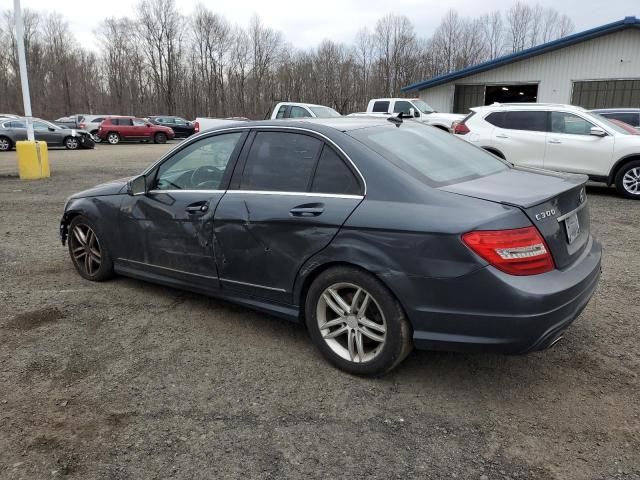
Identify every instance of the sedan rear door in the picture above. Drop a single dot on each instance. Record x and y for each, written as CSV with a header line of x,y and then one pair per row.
x,y
520,135
290,194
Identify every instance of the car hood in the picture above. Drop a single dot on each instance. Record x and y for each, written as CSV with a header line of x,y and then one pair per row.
x,y
113,187
73,131
524,187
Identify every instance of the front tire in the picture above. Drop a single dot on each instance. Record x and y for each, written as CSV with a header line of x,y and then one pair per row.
x,y
113,138
628,180
95,137
356,322
71,143
5,144
160,138
88,250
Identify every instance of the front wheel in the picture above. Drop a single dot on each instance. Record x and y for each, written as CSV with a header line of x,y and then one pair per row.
x,y
88,250
628,180
356,322
160,138
71,143
113,138
5,144
95,137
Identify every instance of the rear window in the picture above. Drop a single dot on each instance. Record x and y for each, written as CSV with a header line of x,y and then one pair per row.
x,y
437,158
631,118
381,107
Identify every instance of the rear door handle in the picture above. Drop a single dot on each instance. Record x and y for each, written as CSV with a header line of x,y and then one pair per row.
x,y
197,208
555,140
307,210
502,136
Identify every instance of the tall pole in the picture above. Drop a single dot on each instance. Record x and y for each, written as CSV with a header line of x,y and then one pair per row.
x,y
22,60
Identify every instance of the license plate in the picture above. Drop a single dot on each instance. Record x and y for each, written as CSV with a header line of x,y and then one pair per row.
x,y
572,226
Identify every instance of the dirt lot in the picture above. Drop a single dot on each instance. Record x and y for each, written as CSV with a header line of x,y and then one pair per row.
x,y
127,380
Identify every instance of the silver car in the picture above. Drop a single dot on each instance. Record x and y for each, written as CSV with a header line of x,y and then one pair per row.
x,y
13,130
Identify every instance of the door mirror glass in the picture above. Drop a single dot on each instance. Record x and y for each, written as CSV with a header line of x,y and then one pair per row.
x,y
597,131
137,186
51,129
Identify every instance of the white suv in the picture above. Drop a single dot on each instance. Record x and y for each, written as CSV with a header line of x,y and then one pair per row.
x,y
557,137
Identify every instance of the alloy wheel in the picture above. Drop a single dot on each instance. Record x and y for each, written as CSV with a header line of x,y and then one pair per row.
x,y
85,248
4,144
95,137
71,143
631,181
113,138
351,322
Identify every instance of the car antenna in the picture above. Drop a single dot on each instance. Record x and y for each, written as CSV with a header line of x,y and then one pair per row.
x,y
396,120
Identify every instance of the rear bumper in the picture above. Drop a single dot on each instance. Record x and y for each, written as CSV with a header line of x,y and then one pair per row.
x,y
488,310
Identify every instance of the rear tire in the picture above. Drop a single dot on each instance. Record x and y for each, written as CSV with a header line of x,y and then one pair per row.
x,y
365,329
160,138
5,144
88,250
628,180
113,138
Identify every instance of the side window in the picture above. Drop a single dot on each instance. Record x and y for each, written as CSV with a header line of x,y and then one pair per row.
x,y
98,120
40,126
535,121
299,112
281,111
139,123
627,117
199,166
402,106
381,107
281,162
179,121
497,119
562,122
17,124
333,176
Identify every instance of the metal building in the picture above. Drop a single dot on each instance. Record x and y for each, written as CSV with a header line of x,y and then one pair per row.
x,y
597,68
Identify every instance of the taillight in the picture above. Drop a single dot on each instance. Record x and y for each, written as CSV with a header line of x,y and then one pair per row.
x,y
460,129
520,251
196,127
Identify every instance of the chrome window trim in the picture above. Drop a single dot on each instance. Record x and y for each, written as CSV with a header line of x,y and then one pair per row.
x,y
575,210
156,190
208,133
302,194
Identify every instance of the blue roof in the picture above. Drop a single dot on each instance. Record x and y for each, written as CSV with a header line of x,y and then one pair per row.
x,y
628,22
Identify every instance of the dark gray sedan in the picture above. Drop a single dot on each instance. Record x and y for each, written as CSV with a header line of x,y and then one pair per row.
x,y
13,130
378,235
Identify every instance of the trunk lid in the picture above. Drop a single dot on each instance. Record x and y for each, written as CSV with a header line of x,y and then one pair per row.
x,y
555,203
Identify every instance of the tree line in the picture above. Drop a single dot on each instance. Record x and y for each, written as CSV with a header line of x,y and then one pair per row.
x,y
163,62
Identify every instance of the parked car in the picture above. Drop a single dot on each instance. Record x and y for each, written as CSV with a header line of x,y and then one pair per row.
x,y
181,127
302,110
83,121
563,138
8,115
115,129
626,115
626,126
13,130
378,234
411,108
205,123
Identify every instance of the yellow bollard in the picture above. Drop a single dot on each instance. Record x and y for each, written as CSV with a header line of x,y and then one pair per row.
x,y
33,160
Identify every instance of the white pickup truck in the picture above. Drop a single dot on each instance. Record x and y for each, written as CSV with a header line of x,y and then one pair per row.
x,y
302,110
410,107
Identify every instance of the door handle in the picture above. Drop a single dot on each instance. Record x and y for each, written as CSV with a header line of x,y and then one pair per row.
x,y
307,210
501,135
197,208
554,140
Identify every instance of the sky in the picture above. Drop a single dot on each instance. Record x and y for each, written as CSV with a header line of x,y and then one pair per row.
x,y
306,23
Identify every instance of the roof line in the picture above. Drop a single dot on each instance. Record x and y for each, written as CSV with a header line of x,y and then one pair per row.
x,y
627,22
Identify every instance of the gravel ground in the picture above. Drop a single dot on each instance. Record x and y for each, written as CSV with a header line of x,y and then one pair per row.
x,y
128,380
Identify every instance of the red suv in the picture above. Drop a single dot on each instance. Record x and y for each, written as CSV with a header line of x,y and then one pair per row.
x,y
114,129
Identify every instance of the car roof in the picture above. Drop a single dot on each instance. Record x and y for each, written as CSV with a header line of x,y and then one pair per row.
x,y
300,104
527,106
342,124
612,110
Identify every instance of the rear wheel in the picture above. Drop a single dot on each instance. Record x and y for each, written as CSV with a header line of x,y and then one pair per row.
x,y
71,143
88,250
5,144
628,180
113,138
160,138
356,323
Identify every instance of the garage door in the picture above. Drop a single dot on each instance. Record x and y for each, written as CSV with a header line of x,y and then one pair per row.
x,y
467,96
606,93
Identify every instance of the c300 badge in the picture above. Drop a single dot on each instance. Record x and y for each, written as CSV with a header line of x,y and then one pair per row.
x,y
546,214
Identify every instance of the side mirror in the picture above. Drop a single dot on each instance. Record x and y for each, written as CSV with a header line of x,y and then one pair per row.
x,y
137,185
51,129
597,132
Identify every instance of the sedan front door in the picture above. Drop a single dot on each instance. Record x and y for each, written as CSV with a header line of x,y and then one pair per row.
x,y
169,230
281,213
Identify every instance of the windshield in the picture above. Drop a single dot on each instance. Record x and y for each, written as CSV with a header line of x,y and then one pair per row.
x,y
436,158
324,112
608,123
422,106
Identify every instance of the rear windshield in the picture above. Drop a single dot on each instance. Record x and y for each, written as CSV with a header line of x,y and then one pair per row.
x,y
435,157
324,112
